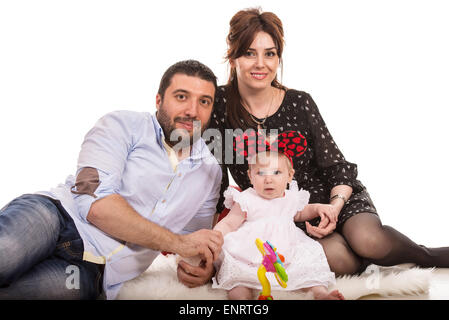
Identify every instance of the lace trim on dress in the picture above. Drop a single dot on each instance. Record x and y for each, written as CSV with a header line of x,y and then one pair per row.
x,y
232,195
303,199
303,195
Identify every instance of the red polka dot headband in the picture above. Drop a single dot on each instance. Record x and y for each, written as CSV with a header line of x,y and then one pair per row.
x,y
291,143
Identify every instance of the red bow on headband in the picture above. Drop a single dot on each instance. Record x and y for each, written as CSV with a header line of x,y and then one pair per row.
x,y
291,143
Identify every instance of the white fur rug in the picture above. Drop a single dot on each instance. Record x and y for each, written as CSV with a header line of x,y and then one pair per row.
x,y
160,282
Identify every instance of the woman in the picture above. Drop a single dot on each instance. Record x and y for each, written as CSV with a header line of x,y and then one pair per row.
x,y
253,98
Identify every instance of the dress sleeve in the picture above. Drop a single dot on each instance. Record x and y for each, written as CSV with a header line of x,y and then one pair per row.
x,y
232,195
331,163
302,199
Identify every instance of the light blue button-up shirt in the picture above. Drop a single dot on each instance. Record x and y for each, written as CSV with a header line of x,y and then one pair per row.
x,y
126,148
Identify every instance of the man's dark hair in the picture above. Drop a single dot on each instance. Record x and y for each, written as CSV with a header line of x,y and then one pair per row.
x,y
191,68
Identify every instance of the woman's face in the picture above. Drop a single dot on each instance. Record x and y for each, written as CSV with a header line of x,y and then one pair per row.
x,y
257,68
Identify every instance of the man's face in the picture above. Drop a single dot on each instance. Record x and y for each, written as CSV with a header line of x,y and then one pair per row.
x,y
186,100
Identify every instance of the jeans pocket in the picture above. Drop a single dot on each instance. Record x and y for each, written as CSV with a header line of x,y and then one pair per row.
x,y
72,249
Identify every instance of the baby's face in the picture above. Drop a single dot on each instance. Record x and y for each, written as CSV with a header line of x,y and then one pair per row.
x,y
270,175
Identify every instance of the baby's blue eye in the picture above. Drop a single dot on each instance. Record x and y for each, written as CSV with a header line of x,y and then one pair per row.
x,y
266,173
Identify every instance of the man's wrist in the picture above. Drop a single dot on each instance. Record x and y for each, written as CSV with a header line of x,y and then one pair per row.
x,y
175,243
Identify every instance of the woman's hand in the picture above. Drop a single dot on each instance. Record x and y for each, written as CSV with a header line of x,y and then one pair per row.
x,y
328,223
325,228
327,210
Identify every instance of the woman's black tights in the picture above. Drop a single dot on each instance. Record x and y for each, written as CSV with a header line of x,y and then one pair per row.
x,y
364,240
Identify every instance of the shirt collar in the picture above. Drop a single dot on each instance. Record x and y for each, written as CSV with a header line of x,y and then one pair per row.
x,y
199,149
158,130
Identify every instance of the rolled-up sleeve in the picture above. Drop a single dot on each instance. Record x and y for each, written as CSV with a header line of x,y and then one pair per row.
x,y
102,160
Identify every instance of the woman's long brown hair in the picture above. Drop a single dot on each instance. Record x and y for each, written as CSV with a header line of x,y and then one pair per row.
x,y
244,26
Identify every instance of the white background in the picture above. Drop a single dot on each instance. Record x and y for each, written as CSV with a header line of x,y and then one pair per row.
x,y
378,71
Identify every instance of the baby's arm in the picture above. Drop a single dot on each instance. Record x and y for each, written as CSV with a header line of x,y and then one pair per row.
x,y
314,210
233,220
308,213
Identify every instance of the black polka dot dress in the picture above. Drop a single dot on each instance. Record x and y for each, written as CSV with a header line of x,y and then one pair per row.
x,y
320,168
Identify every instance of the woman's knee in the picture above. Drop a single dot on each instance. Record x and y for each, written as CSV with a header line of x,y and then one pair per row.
x,y
371,245
366,236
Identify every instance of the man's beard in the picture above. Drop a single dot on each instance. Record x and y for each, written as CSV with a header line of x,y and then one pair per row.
x,y
179,137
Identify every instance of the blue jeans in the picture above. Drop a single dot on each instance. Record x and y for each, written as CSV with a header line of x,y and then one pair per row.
x,y
41,253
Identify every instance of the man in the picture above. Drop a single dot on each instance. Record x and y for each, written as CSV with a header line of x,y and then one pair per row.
x,y
140,188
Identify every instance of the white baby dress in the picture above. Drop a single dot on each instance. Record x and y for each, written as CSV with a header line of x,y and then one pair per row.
x,y
305,262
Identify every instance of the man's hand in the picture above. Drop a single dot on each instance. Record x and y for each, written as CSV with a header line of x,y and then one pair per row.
x,y
205,243
194,276
205,246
